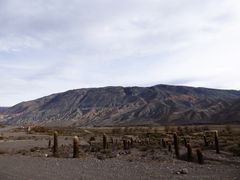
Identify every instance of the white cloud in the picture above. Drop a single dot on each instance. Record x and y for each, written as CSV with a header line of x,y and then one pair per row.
x,y
52,46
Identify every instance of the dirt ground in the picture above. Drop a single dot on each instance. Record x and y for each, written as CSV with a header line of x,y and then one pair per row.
x,y
27,156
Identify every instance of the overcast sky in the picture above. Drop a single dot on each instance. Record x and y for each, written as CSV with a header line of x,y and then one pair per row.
x,y
49,46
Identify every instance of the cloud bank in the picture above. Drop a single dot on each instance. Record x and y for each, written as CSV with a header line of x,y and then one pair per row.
x,y
56,45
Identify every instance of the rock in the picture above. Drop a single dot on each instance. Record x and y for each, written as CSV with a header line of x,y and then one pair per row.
x,y
184,171
100,157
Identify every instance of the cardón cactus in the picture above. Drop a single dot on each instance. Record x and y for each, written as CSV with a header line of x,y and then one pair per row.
x,y
176,145
104,141
49,143
189,152
163,143
55,144
185,142
216,142
200,156
205,141
169,147
75,147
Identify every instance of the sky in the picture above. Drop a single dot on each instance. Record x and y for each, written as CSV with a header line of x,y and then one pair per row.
x,y
50,46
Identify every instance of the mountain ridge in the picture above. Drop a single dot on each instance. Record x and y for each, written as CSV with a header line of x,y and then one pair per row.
x,y
116,105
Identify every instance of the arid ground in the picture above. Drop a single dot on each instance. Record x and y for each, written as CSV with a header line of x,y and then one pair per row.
x,y
28,154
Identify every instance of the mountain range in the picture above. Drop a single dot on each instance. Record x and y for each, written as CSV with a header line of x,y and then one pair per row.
x,y
119,106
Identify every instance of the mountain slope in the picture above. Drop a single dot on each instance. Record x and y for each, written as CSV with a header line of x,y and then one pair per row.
x,y
121,106
231,113
3,109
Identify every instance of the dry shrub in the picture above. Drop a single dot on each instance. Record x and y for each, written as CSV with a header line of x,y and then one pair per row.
x,y
40,129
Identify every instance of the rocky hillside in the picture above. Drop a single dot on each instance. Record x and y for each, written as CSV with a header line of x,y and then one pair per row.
x,y
232,112
109,106
3,109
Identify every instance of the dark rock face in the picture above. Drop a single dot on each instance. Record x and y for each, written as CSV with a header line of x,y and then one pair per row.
x,y
111,106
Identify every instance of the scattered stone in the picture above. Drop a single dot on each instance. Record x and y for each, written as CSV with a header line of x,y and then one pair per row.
x,y
182,171
100,157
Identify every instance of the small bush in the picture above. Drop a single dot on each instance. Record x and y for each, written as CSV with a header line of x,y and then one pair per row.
x,y
228,129
166,129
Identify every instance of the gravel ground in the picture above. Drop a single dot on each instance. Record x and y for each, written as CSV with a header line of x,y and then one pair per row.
x,y
137,165
26,168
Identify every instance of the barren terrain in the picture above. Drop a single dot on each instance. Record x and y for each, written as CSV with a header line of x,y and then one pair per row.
x,y
28,156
